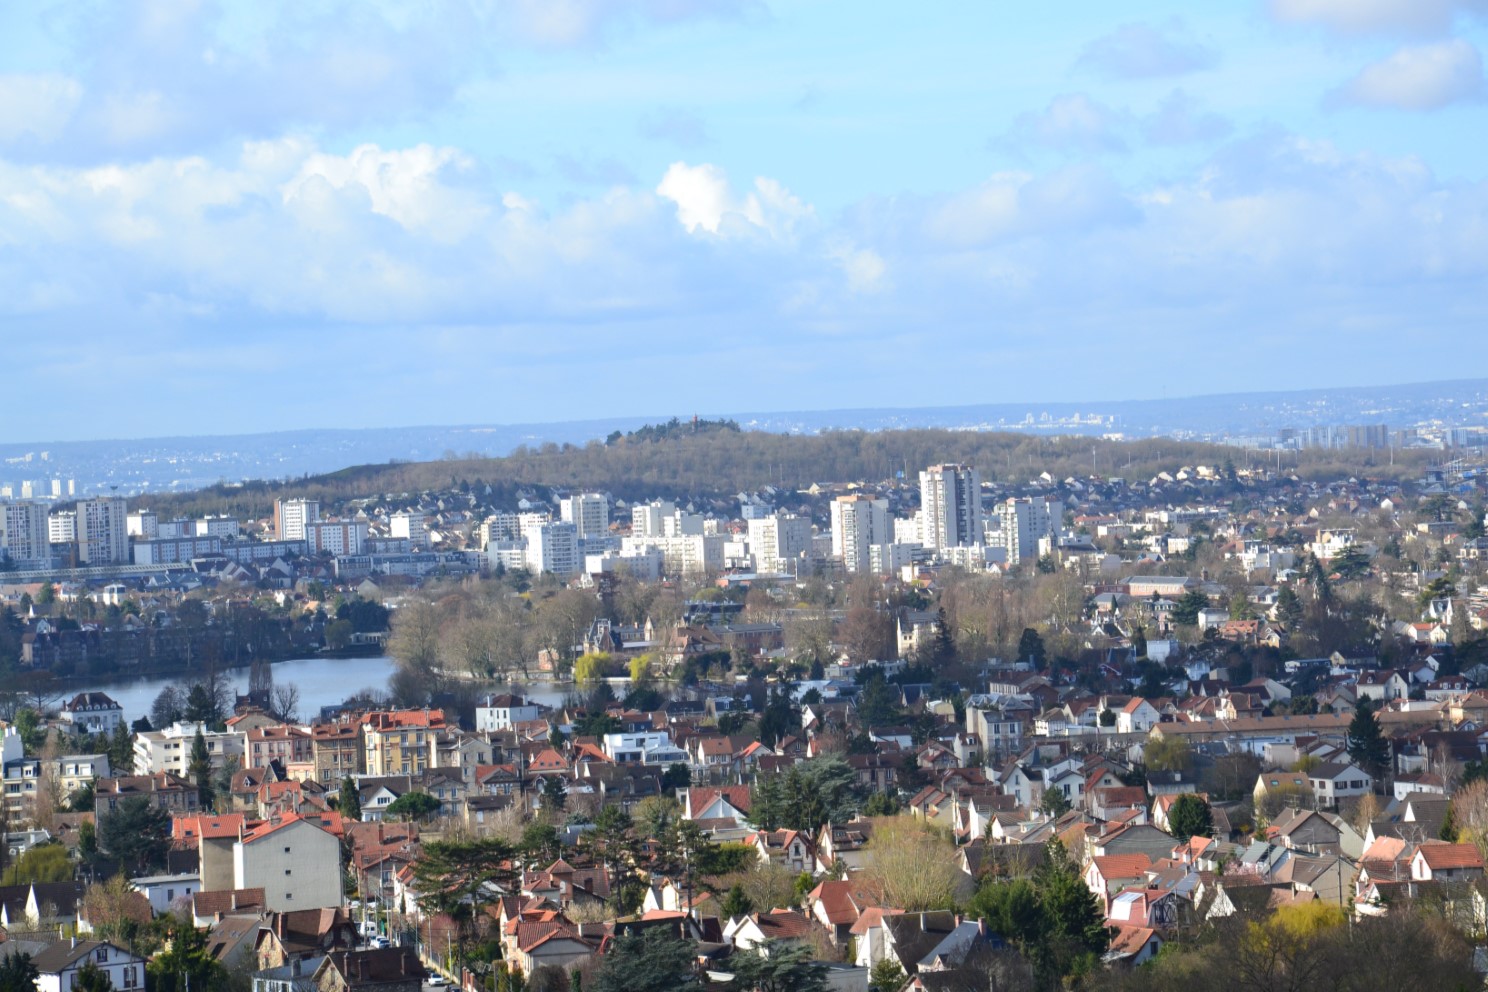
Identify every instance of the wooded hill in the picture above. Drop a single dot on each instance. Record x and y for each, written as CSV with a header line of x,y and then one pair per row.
x,y
724,462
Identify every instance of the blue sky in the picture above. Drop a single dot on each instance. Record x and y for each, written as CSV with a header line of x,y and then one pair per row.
x,y
238,217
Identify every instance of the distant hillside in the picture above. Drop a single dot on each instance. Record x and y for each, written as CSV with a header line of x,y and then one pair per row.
x,y
724,462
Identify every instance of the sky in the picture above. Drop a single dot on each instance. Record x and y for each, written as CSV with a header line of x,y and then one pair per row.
x,y
225,218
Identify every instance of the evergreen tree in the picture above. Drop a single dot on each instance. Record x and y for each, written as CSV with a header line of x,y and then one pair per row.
x,y
186,965
91,978
653,960
350,804
1073,932
1288,607
121,750
1186,610
736,903
1190,816
1367,746
199,769
1031,649
941,648
17,973
776,966
555,793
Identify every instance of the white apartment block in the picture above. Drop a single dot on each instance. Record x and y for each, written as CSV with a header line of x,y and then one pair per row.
x,y
858,523
412,525
553,547
950,506
167,550
294,861
778,540
661,518
506,555
500,526
335,537
226,528
589,512
644,566
62,527
103,531
1023,523
25,531
143,524
692,554
169,750
291,516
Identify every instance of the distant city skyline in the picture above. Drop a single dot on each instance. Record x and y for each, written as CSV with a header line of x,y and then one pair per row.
x,y
220,219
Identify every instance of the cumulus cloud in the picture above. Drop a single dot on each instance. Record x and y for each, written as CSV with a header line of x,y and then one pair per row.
x,y
705,200
1144,51
1418,77
36,107
1180,120
1072,122
1012,205
1357,17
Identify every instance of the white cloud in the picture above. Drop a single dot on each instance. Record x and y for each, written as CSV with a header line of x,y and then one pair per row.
x,y
1179,120
1375,16
1144,51
1072,122
1013,205
1418,77
403,184
36,107
705,200
864,268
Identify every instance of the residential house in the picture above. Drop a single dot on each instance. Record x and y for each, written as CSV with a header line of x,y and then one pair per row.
x,y
91,713
58,965
390,969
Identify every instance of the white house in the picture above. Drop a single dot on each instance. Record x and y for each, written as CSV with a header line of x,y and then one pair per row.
x,y
503,712
164,891
169,750
57,965
92,712
1137,717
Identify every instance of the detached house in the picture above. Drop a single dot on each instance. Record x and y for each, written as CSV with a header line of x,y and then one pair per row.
x,y
58,965
1446,863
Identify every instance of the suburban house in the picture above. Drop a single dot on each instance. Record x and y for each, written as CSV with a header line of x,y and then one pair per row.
x,y
57,965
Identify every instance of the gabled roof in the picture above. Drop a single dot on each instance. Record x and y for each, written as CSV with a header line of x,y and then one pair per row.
x,y
1445,857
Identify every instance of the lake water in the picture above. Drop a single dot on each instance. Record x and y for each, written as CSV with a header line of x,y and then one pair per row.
x,y
321,681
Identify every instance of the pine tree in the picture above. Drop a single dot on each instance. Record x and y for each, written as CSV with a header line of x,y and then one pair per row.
x,y
1031,649
1367,746
199,769
350,804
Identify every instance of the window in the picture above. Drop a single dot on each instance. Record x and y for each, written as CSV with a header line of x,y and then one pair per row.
x,y
288,870
101,954
131,976
286,850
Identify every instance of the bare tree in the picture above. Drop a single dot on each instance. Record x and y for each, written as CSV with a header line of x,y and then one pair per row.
x,y
285,704
915,866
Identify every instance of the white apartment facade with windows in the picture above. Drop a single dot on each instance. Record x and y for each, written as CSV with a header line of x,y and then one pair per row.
x,y
778,540
553,546
335,537
25,531
291,516
858,523
588,512
950,506
103,531
169,750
